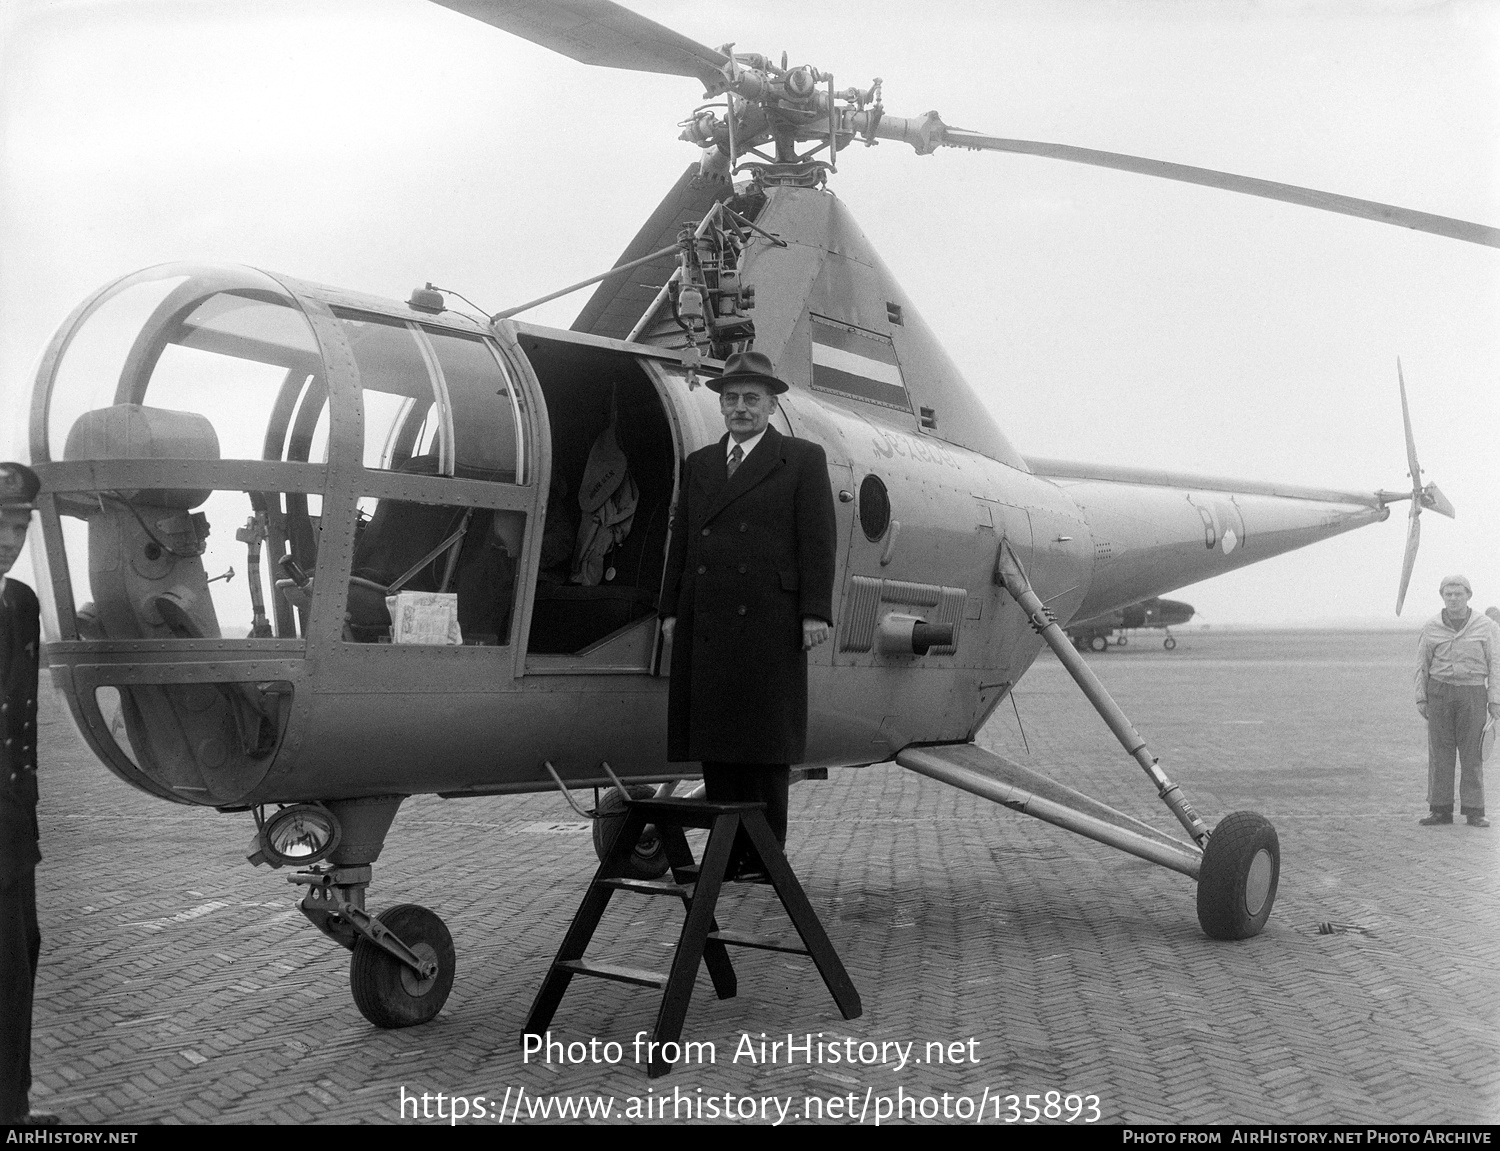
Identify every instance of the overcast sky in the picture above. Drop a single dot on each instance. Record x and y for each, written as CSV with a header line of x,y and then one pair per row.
x,y
379,144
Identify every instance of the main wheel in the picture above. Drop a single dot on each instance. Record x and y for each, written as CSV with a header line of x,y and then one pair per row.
x,y
1121,640
649,858
1169,643
1237,882
387,992
1099,643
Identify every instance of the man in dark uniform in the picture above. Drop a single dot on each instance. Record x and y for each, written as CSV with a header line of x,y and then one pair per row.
x,y
20,940
748,592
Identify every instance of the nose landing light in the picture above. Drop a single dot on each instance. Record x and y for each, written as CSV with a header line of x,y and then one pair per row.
x,y
302,834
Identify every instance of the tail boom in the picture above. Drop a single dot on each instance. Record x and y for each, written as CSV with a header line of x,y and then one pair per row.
x,y
1156,531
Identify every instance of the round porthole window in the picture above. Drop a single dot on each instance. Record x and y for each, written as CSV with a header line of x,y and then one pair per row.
x,y
874,507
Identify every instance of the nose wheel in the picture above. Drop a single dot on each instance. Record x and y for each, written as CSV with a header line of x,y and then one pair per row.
x,y
403,962
391,993
1237,881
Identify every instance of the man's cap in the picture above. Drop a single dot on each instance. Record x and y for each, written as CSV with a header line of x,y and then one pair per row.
x,y
1493,613
18,487
748,367
1461,581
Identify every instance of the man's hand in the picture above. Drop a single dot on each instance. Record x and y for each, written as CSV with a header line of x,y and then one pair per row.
x,y
814,632
668,626
1422,708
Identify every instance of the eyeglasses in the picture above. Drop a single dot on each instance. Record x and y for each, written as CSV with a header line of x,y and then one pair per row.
x,y
749,399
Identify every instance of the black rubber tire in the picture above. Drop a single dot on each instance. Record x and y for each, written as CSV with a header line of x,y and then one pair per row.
x,y
1121,640
386,991
1169,643
1098,643
1237,882
649,859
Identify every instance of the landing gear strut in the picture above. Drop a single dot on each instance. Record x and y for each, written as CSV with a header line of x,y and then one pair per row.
x,y
1241,861
403,963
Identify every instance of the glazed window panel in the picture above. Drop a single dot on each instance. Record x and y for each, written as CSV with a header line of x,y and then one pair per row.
x,y
209,373
177,563
436,402
88,373
404,417
469,553
486,416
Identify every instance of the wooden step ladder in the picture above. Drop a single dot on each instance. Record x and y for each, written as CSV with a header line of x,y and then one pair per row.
x,y
701,940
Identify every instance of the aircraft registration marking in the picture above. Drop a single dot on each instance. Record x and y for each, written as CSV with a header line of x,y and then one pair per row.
x,y
889,444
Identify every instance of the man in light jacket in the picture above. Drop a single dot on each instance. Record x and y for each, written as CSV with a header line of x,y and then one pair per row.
x,y
1458,682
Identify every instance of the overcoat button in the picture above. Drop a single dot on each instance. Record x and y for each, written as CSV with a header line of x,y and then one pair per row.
x,y
742,609
742,569
744,527
705,531
701,569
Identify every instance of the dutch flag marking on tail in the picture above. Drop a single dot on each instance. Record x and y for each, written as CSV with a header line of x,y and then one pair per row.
x,y
850,363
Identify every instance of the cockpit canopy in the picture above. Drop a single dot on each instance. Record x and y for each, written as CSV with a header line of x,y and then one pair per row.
x,y
253,384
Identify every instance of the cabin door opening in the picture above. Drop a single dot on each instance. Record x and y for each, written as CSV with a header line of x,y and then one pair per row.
x,y
608,504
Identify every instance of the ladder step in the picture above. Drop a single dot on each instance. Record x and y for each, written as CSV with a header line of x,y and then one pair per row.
x,y
616,971
649,886
690,874
763,942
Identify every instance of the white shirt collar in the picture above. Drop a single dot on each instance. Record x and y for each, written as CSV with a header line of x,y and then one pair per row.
x,y
746,446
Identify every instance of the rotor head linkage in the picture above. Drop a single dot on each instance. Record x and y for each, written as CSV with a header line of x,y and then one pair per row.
x,y
1010,575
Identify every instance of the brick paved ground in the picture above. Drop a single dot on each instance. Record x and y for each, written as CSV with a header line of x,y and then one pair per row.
x,y
180,985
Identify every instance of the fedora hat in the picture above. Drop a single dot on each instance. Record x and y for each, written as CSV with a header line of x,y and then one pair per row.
x,y
748,367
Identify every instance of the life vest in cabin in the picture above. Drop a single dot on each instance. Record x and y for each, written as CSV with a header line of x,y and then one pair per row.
x,y
607,497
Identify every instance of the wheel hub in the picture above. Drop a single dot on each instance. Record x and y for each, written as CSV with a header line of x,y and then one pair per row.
x,y
418,985
1258,881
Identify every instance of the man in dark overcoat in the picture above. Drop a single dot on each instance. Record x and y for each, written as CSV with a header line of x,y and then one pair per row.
x,y
748,592
20,940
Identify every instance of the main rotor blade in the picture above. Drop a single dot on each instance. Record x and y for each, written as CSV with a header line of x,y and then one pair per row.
x,y
1409,560
598,32
1248,185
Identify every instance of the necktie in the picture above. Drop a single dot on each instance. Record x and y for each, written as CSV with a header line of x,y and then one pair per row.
x,y
735,456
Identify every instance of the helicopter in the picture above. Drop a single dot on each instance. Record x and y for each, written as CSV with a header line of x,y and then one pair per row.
x,y
348,449
1155,612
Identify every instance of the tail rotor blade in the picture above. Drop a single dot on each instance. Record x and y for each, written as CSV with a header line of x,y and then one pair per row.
x,y
1434,500
1409,561
1411,443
